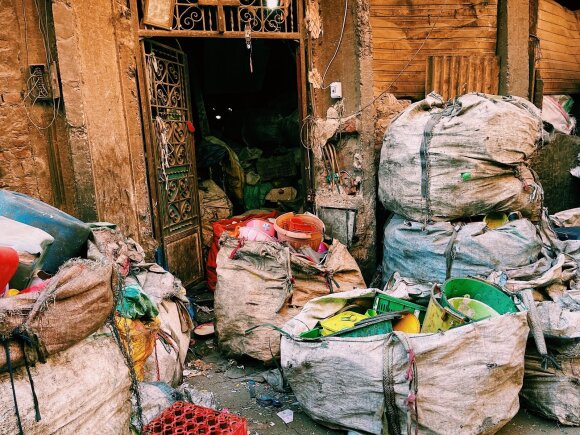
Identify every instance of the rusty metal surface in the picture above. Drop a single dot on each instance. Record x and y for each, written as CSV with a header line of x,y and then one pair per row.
x,y
174,153
232,18
451,76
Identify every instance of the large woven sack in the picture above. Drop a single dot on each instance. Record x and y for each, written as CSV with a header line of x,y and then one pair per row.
x,y
75,303
468,378
428,252
264,283
81,391
551,392
555,392
442,161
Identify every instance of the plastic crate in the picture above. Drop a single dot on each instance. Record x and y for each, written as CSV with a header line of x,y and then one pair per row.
x,y
184,418
382,327
356,330
385,304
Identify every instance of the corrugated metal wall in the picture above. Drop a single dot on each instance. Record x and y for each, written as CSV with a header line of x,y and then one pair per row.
x,y
400,28
559,33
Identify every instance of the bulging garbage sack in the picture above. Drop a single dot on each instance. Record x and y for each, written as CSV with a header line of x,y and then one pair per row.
x,y
554,392
264,283
442,161
467,379
550,391
429,252
75,303
82,390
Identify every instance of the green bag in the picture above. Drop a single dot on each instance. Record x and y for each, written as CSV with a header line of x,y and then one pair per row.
x,y
135,304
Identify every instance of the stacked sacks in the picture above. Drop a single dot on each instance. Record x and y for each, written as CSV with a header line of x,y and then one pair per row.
x,y
49,333
443,162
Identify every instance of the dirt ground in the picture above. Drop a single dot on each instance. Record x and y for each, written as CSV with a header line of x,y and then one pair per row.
x,y
228,380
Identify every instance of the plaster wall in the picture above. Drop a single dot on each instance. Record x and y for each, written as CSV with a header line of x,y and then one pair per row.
x,y
342,122
101,99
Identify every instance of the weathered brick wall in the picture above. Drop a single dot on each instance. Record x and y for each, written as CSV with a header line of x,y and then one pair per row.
x,y
30,157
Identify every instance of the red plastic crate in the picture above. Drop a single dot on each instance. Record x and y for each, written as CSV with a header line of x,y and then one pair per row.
x,y
184,418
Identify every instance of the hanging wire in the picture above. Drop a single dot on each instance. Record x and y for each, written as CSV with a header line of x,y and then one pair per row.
x,y
309,119
43,28
337,45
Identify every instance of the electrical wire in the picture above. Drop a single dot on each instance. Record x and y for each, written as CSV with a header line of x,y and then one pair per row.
x,y
388,88
43,28
309,118
337,46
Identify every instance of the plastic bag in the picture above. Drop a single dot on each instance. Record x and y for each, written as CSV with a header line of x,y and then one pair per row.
x,y
138,337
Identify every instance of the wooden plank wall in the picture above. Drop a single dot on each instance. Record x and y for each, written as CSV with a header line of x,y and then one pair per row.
x,y
559,33
399,28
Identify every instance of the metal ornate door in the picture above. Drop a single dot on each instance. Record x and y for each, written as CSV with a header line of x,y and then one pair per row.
x,y
175,200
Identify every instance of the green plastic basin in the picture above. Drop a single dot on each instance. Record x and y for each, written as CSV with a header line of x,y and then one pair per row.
x,y
479,290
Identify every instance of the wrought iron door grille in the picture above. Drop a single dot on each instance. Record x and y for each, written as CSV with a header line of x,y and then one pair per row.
x,y
166,81
272,17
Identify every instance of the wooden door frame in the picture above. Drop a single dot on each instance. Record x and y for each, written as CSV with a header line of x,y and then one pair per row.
x,y
148,132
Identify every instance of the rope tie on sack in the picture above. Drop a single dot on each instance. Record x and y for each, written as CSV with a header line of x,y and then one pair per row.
x,y
289,281
535,324
411,377
28,340
391,410
238,246
450,253
329,278
425,164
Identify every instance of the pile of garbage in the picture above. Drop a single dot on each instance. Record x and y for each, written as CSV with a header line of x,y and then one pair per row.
x,y
93,335
480,302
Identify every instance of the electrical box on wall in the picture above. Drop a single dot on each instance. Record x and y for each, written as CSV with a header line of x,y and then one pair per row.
x,y
42,82
336,90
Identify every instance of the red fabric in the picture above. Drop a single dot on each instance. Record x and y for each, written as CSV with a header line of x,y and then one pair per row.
x,y
37,287
232,226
